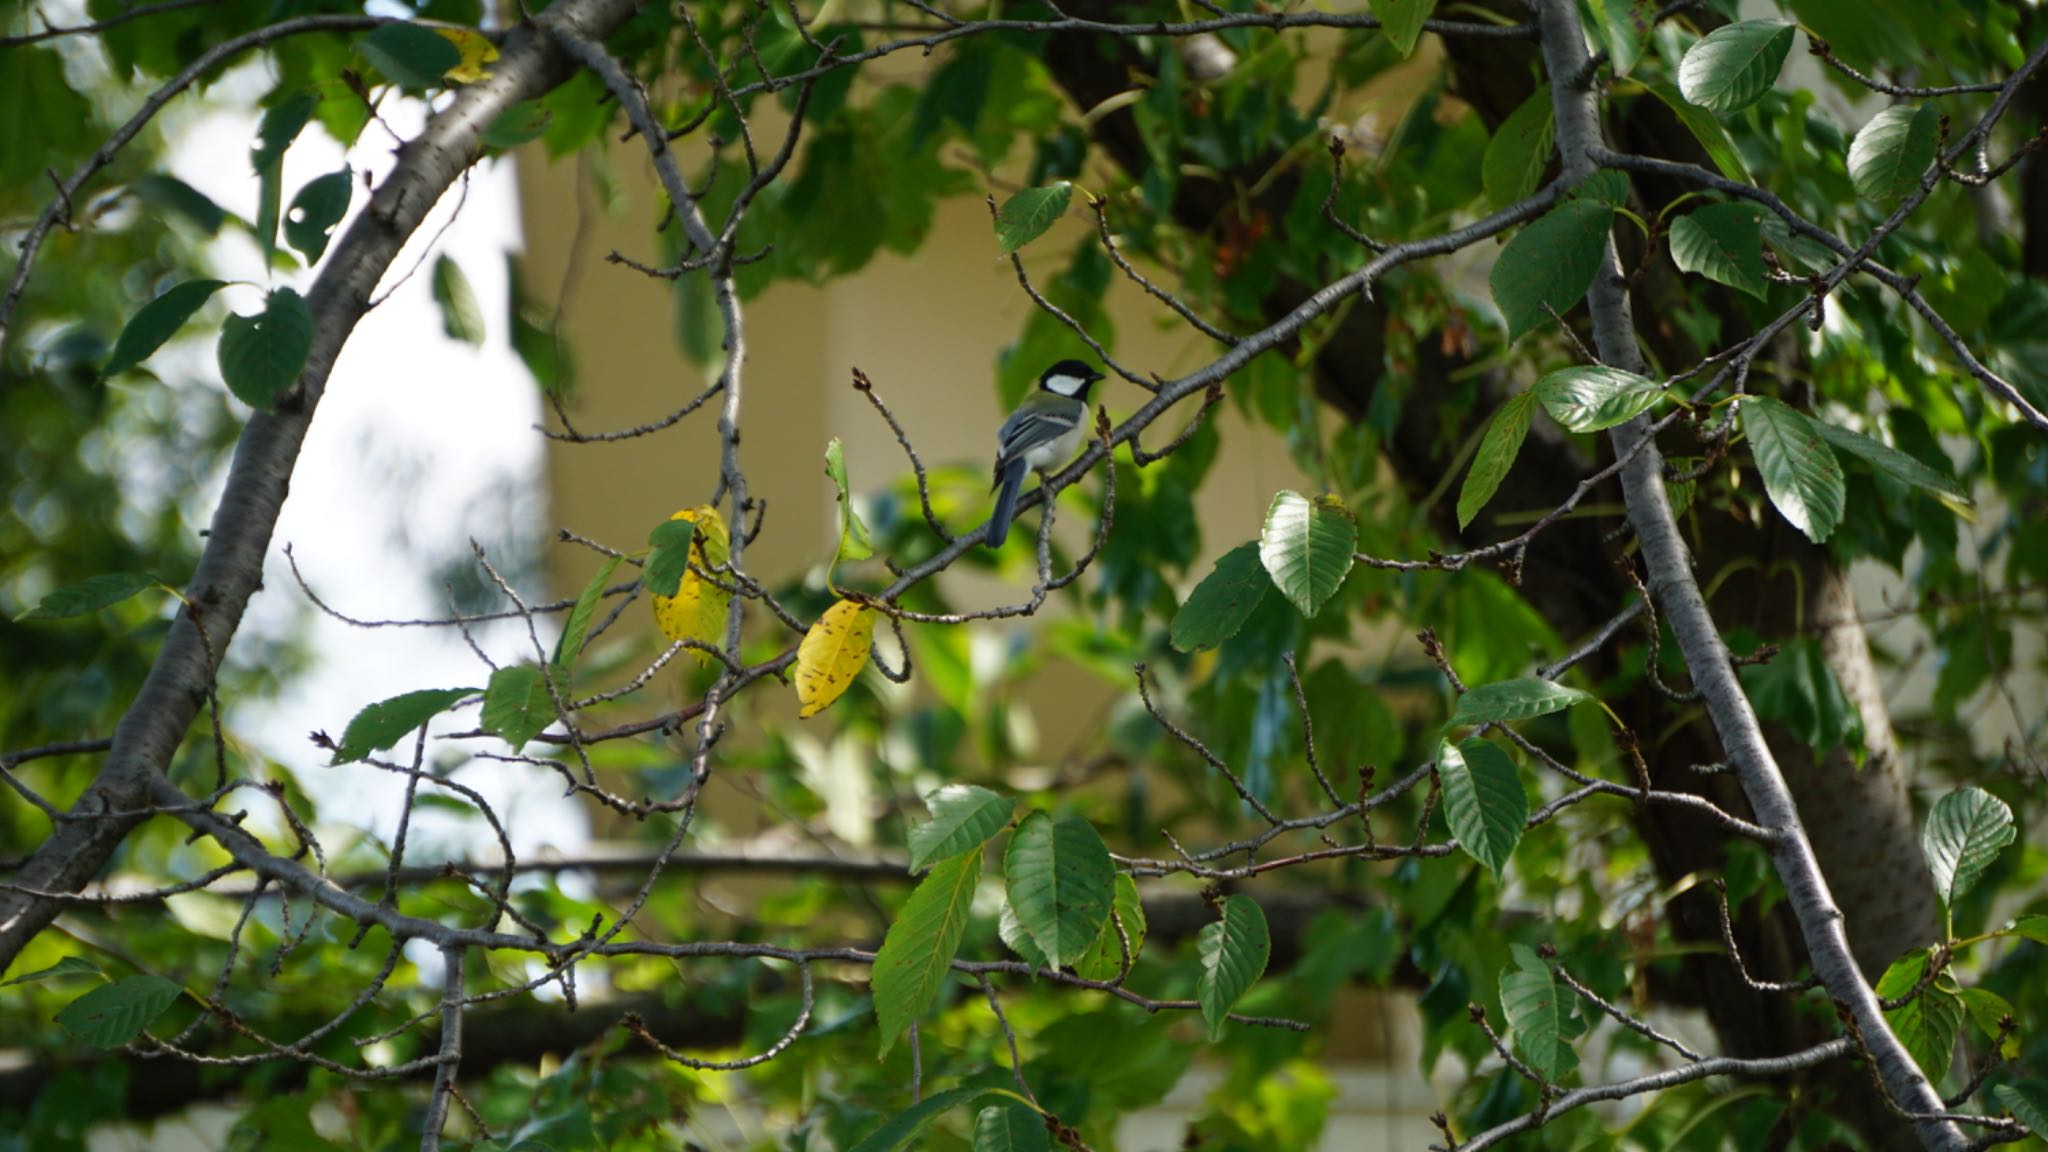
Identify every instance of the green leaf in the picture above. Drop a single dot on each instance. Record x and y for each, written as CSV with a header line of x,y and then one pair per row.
x,y
1733,66
1233,951
911,966
1607,186
1804,252
1060,881
1550,264
1483,800
1012,932
1595,397
964,817
315,211
1306,546
577,626
1517,699
409,55
1222,602
1927,1024
1966,830
90,595
1519,151
1892,462
1010,1128
2034,928
517,705
113,1014
1027,215
261,356
156,322
1496,455
853,535
516,125
2028,1100
1986,1009
1797,689
907,1125
670,557
1528,996
174,195
281,124
388,721
1402,20
1707,130
1800,472
1724,243
1625,26
68,966
462,318
1104,959
1891,152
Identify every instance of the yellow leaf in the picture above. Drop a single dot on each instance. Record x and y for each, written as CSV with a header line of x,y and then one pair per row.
x,y
832,654
697,610
476,50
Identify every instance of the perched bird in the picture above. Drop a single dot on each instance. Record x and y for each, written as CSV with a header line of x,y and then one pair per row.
x,y
1039,436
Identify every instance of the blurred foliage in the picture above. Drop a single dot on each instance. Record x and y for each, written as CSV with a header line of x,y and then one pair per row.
x,y
111,477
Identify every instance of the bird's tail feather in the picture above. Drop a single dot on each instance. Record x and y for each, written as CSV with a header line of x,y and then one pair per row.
x,y
1009,483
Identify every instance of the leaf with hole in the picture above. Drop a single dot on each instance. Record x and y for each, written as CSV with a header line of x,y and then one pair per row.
x,y
1889,154
114,1014
90,595
1061,883
410,55
1029,214
1594,397
1306,546
1519,151
386,722
1402,21
281,124
1724,243
832,655
315,211
1549,265
1800,472
1233,950
1517,699
1222,602
1483,800
462,318
917,953
1732,67
156,322
1495,455
964,817
1966,830
261,356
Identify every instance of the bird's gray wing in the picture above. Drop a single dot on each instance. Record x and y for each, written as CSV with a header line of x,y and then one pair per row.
x,y
1027,428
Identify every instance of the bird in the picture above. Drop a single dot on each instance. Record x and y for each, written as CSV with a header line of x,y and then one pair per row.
x,y
1042,434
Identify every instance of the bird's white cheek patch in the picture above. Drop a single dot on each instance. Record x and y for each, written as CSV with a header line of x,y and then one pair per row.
x,y
1066,385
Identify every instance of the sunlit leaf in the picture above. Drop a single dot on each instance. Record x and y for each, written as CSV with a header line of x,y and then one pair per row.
x,y
1027,215
964,817
832,655
1594,397
911,966
1104,959
697,611
386,722
517,705
1889,154
1496,455
853,535
1966,830
114,1014
1892,462
1306,546
1732,67
1402,21
1517,699
90,595
1483,800
1222,602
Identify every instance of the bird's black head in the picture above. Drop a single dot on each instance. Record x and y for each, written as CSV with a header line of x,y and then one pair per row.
x,y
1069,378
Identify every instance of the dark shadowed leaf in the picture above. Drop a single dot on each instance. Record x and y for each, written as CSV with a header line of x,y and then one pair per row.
x,y
1519,151
1528,996
2028,1100
113,1014
517,705
1010,1128
462,318
90,595
1724,243
1496,455
172,194
853,535
1222,602
410,55
68,966
1892,462
1550,264
318,207
1061,883
905,1126
262,355
577,626
157,321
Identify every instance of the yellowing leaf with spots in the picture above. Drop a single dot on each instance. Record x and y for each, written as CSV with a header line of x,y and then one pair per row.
x,y
832,654
476,52
697,610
